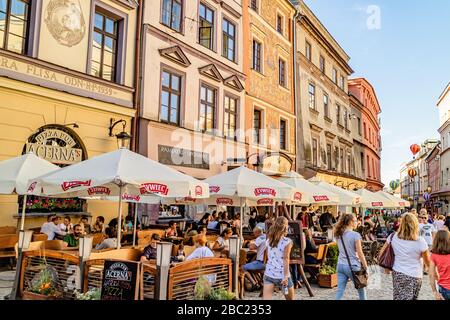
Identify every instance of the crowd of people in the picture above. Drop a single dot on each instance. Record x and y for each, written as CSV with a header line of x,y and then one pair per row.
x,y
420,242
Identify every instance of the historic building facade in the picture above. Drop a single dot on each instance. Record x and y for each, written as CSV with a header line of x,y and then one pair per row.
x,y
434,178
369,127
415,188
270,120
192,113
325,119
66,74
443,195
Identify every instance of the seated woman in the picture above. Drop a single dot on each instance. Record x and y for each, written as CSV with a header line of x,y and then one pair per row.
x,y
150,250
311,248
202,251
205,219
223,242
172,231
110,242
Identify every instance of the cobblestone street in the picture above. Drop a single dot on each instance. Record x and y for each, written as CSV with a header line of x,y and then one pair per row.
x,y
380,288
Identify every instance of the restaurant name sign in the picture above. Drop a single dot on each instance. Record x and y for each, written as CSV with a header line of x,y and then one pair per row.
x,y
182,157
275,164
18,68
55,146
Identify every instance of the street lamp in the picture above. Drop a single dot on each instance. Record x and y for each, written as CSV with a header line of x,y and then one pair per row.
x,y
84,252
123,138
163,254
235,246
182,226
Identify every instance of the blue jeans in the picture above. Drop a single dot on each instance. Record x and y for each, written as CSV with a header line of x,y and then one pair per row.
x,y
345,274
277,282
254,266
444,292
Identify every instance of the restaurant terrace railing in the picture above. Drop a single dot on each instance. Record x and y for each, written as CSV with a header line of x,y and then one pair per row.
x,y
148,281
41,268
184,276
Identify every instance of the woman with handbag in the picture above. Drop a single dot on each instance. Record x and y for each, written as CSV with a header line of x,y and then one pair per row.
x,y
351,262
408,251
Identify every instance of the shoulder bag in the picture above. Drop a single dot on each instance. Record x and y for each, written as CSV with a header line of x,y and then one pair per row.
x,y
360,278
387,257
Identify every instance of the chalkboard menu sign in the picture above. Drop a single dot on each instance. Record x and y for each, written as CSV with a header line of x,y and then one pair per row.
x,y
119,280
295,233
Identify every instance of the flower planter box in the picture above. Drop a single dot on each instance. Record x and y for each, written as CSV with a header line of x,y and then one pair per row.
x,y
27,295
327,280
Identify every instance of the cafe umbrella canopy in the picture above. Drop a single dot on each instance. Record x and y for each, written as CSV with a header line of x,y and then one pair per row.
x,y
244,186
16,172
372,200
397,202
346,198
123,174
311,193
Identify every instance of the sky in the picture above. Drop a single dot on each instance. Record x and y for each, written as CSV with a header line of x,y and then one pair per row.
x,y
401,47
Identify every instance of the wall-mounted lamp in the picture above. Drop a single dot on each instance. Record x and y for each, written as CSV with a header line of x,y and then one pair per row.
x,y
123,138
74,125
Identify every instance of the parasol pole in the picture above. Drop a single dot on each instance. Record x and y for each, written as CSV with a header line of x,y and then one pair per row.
x,y
24,206
242,218
119,222
135,223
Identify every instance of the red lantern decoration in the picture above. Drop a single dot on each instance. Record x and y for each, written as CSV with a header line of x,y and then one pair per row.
x,y
415,149
412,173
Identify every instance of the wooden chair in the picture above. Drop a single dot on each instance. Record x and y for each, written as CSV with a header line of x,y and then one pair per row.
x,y
321,256
8,230
144,236
39,237
97,239
188,250
241,275
118,254
7,245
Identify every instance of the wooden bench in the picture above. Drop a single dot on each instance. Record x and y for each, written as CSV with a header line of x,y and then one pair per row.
x,y
7,245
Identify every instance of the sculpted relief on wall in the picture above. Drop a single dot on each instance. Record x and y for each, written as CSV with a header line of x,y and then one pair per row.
x,y
65,21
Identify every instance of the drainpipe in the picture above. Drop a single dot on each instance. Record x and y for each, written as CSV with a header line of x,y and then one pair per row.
x,y
298,125
137,79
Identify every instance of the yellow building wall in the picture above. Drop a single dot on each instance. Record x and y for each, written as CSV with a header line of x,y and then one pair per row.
x,y
25,109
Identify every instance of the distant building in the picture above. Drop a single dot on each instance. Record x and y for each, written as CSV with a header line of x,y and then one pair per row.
x,y
413,189
443,196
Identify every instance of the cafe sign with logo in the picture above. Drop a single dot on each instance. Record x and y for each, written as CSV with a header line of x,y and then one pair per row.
x,y
56,146
276,164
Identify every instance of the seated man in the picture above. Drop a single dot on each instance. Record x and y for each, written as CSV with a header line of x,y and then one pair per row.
x,y
110,242
73,239
150,250
257,265
51,228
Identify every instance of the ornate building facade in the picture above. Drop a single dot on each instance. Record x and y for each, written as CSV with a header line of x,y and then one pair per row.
x,y
369,127
269,101
66,74
325,118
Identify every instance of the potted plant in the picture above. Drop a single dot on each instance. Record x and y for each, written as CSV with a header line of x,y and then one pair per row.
x,y
327,277
204,291
42,287
91,294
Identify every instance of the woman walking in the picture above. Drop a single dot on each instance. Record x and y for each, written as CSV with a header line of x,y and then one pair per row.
x,y
409,249
277,267
345,235
440,265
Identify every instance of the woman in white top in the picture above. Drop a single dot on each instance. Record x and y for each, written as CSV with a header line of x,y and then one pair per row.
x,y
277,267
409,250
202,251
223,242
